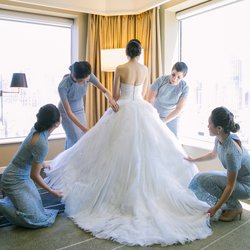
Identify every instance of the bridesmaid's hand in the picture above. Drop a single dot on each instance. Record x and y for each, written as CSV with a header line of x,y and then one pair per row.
x,y
212,211
57,193
189,158
114,105
46,166
85,130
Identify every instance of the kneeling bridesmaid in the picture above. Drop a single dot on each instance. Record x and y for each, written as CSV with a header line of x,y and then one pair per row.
x,y
223,190
22,205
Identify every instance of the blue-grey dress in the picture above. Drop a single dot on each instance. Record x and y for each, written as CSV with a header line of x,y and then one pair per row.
x,y
73,93
167,97
22,205
209,186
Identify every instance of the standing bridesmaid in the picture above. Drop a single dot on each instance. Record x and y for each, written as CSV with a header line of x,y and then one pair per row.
x,y
72,90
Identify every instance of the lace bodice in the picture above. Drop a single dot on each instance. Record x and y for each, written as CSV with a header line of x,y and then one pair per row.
x,y
131,92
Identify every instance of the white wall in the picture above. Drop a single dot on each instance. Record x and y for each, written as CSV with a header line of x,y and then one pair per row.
x,y
205,165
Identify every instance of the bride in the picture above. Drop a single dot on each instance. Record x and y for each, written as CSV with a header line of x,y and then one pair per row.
x,y
126,179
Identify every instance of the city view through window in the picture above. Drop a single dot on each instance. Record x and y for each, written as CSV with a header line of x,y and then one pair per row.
x,y
215,46
43,53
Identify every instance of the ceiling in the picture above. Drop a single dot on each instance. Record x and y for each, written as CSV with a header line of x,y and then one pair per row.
x,y
101,7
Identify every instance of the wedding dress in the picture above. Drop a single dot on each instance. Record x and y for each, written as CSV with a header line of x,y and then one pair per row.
x,y
126,179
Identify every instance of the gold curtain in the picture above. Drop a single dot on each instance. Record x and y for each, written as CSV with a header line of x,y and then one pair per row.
x,y
106,32
155,61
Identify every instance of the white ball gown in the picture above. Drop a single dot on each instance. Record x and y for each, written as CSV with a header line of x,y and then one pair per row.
x,y
126,179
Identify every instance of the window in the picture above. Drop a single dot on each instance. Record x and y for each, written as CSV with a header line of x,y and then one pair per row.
x,y
40,47
215,46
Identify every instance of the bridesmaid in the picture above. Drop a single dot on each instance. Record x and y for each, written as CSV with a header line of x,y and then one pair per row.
x,y
72,90
22,205
218,188
169,95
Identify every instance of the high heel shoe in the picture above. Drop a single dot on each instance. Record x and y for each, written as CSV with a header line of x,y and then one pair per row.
x,y
231,215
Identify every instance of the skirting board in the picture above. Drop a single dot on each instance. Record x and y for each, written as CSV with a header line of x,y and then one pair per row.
x,y
3,168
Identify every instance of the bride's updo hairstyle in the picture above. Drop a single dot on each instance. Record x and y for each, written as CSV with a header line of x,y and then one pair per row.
x,y
47,116
221,116
133,48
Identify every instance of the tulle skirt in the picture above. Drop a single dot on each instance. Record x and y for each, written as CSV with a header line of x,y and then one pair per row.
x,y
126,180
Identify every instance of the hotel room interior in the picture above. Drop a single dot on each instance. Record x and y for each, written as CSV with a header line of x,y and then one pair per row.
x,y
95,26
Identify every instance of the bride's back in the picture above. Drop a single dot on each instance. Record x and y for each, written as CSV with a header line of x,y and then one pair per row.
x,y
132,73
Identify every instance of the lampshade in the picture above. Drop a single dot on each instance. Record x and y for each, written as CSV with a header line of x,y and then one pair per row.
x,y
111,58
18,81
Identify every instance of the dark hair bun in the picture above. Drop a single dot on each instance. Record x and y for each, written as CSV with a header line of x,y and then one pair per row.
x,y
133,48
235,127
221,116
47,116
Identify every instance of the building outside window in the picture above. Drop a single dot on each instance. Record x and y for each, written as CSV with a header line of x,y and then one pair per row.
x,y
40,47
215,46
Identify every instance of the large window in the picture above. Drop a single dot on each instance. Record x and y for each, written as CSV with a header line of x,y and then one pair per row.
x,y
215,45
40,47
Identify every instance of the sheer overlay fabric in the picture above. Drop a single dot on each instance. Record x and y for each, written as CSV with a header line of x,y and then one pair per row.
x,y
126,179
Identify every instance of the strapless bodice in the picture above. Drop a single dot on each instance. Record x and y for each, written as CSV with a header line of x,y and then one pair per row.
x,y
131,92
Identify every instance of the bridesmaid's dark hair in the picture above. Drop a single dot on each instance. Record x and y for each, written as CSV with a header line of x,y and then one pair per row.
x,y
133,48
47,116
181,67
81,69
221,116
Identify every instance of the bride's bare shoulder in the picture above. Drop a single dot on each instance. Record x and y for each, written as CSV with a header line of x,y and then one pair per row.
x,y
131,67
122,66
120,69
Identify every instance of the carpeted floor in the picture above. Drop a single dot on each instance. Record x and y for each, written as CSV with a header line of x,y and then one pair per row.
x,y
64,234
49,201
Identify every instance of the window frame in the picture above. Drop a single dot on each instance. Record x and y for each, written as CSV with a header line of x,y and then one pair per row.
x,y
59,20
199,141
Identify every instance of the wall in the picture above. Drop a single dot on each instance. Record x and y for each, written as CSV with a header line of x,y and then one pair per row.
x,y
78,53
205,165
170,39
170,30
7,151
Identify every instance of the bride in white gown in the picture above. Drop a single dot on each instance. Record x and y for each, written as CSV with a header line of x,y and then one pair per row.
x,y
126,179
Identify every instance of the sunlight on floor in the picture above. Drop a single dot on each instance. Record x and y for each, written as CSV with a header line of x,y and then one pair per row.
x,y
246,206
